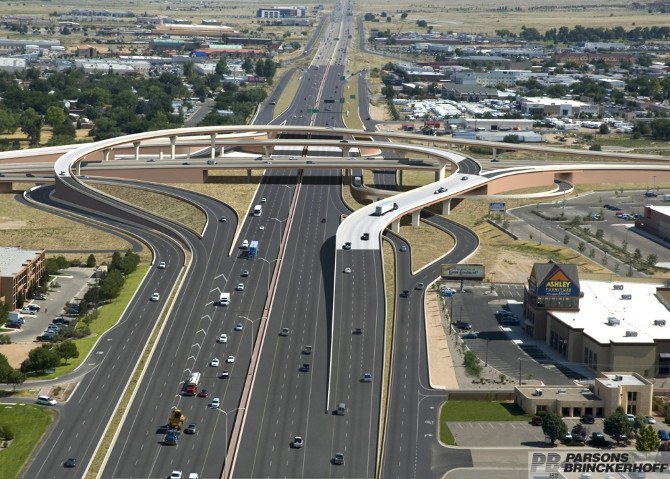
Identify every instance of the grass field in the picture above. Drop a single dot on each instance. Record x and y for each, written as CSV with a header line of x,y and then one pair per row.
x,y
28,423
470,411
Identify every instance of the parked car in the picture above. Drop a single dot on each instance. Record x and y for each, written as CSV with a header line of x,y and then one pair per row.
x,y
598,438
650,419
663,435
588,419
463,325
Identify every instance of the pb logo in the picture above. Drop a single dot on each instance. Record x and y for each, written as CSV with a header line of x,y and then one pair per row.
x,y
546,463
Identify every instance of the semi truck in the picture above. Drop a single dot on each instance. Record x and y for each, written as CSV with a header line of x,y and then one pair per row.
x,y
191,385
175,419
385,208
253,248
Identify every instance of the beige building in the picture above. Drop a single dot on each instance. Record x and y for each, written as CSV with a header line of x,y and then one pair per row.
x,y
19,269
629,390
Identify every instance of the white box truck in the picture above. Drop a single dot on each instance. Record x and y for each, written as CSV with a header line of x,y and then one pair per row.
x,y
224,299
258,209
385,208
16,317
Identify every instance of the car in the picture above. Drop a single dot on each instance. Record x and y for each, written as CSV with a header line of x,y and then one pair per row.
x,y
650,419
267,162
26,310
244,273
273,102
40,296
367,378
352,158
239,287
365,237
214,362
284,332
297,442
30,175
223,338
357,331
403,248
663,435
34,307
185,163
46,401
588,419
441,189
216,402
155,297
161,265
495,160
151,160
536,421
245,244
230,359
225,374
347,245
344,141
307,350
304,367
463,325
223,219
630,417
70,462
239,327
259,158
567,437
323,220
338,460
176,475
292,158
191,429
419,286
463,178
509,321
261,227
445,289
347,270
264,200
405,293
203,393
598,438
310,162
651,194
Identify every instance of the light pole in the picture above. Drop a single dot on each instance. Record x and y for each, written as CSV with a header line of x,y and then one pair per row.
x,y
252,321
225,447
492,275
486,361
280,223
269,262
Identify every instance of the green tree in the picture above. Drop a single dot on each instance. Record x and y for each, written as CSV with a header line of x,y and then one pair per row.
x,y
54,116
647,440
15,377
91,261
581,247
651,260
30,123
637,254
553,426
472,364
8,121
617,424
67,349
4,312
566,239
40,359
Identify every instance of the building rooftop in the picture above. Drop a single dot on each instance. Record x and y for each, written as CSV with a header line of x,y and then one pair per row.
x,y
13,259
614,380
557,392
664,210
606,317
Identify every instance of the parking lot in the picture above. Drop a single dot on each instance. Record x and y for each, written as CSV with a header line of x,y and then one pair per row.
x,y
73,284
615,229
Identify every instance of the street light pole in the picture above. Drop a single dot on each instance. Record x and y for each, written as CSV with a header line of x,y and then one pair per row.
x,y
225,447
252,321
519,371
486,361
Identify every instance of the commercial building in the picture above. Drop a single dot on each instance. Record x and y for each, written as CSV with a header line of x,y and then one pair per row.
x,y
556,107
629,390
496,77
19,270
656,221
605,326
281,12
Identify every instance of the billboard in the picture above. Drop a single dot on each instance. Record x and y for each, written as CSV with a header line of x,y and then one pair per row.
x,y
497,206
558,284
462,271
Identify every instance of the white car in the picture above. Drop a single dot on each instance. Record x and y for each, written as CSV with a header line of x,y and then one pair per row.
x,y
238,327
261,227
650,419
155,297
263,200
239,287
215,362
216,402
347,270
176,475
245,244
223,338
161,265
230,359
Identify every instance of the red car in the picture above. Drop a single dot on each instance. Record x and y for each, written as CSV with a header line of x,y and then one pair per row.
x,y
203,393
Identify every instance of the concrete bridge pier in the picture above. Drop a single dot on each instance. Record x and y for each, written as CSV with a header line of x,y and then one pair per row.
x,y
416,218
78,172
345,151
249,174
160,155
212,146
495,152
400,178
446,207
221,154
136,146
105,154
266,150
395,226
173,142
439,174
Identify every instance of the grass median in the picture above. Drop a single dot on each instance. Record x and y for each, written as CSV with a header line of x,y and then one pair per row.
x,y
28,423
472,411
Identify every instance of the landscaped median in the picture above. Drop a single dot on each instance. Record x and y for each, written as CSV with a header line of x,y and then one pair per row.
x,y
472,411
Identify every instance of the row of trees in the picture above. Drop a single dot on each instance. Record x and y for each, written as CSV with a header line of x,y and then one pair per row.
x,y
109,286
580,33
617,425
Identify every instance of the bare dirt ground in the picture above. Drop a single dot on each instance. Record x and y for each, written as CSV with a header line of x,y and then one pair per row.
x,y
16,352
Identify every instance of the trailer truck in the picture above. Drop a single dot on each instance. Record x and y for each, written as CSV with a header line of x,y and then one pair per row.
x,y
384,208
191,384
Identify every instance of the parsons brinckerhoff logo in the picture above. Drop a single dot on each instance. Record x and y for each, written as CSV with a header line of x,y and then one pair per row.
x,y
570,465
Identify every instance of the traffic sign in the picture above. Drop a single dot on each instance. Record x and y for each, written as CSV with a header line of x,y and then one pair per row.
x,y
342,100
352,97
497,206
313,110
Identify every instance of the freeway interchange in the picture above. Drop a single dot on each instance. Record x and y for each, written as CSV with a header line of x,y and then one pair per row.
x,y
328,298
